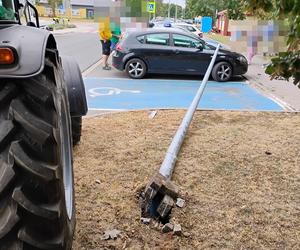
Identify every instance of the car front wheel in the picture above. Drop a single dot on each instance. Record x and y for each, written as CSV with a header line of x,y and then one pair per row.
x,y
222,72
135,68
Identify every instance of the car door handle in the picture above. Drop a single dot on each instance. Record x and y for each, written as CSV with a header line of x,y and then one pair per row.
x,y
176,51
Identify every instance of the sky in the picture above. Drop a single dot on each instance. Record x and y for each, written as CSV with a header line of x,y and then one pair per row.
x,y
180,2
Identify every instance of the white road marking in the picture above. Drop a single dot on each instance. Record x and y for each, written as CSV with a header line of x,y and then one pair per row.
x,y
103,91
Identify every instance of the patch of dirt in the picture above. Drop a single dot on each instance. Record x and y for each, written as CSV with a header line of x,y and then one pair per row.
x,y
238,172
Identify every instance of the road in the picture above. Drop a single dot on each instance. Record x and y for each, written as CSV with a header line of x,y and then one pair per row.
x,y
84,47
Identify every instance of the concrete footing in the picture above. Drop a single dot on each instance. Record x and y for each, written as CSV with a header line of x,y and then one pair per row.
x,y
160,186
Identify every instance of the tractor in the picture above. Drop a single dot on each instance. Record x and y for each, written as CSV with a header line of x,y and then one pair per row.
x,y
42,101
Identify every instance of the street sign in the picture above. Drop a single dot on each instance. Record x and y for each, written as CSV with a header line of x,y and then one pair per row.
x,y
151,7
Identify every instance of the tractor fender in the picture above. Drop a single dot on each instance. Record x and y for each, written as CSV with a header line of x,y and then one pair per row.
x,y
29,44
75,87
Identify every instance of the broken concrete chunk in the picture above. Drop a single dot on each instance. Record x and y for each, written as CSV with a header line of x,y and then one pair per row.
x,y
180,202
165,206
111,234
153,186
167,228
152,114
177,229
146,220
186,234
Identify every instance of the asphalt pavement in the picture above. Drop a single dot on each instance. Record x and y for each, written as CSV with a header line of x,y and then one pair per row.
x,y
84,47
117,94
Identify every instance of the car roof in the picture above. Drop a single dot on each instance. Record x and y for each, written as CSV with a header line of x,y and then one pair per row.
x,y
183,24
159,30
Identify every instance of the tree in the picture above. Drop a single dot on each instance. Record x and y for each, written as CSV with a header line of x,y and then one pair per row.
x,y
173,11
161,9
53,4
204,7
135,8
286,64
235,10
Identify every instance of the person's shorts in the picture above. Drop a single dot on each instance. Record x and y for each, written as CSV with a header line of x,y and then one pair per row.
x,y
106,47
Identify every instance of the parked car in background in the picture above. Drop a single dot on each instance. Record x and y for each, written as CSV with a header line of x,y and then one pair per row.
x,y
189,28
182,25
172,51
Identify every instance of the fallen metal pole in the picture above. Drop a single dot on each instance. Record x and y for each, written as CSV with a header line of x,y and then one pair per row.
x,y
169,162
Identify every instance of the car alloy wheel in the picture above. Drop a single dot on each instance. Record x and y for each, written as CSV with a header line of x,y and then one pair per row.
x,y
224,72
135,69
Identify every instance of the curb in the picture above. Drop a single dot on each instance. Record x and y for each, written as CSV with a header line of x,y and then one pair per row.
x,y
264,91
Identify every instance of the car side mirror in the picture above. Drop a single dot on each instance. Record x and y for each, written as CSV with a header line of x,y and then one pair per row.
x,y
200,47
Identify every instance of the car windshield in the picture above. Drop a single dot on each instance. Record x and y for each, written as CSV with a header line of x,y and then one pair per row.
x,y
7,10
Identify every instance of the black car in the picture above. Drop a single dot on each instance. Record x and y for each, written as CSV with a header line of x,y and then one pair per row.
x,y
171,51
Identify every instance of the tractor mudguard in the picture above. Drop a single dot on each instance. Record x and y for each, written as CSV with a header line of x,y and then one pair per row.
x,y
30,45
75,87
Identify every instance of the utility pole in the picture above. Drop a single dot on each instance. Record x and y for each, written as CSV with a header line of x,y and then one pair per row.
x,y
154,14
169,9
176,11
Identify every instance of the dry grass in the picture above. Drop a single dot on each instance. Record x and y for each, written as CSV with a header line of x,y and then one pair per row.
x,y
238,172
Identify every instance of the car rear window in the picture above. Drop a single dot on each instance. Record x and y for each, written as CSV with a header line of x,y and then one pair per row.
x,y
158,39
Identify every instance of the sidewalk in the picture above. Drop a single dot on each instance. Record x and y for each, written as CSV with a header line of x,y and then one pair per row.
x,y
283,92
80,28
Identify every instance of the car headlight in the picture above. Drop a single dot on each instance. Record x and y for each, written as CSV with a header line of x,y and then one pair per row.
x,y
242,59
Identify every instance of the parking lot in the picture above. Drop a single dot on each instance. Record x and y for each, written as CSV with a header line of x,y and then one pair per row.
x,y
126,94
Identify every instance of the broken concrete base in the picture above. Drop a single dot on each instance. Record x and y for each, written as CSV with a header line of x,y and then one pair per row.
x,y
160,186
165,206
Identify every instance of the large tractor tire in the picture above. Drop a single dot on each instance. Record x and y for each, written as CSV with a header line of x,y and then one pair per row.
x,y
76,94
37,209
76,129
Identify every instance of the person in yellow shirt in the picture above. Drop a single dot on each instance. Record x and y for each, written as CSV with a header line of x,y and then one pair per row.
x,y
105,37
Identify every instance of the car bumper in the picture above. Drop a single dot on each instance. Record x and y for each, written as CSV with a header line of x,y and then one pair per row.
x,y
117,61
241,70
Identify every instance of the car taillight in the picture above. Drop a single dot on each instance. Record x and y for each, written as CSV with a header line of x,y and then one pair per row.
x,y
119,47
6,56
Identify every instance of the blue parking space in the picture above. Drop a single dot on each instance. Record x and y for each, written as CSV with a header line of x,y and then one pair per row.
x,y
127,94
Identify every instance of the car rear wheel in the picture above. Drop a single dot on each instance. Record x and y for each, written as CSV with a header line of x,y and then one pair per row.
x,y
222,72
136,68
